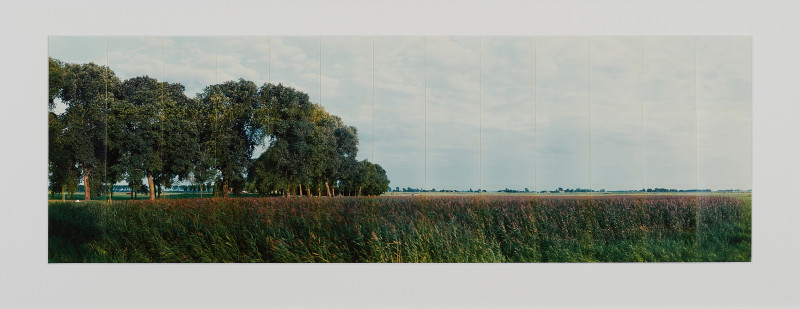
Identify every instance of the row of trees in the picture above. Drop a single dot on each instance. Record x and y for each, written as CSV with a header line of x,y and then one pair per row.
x,y
142,128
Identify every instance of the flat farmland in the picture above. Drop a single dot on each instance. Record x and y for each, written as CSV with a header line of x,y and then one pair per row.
x,y
438,228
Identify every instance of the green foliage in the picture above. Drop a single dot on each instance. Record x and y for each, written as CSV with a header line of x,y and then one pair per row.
x,y
55,81
139,128
374,181
83,88
309,147
403,229
234,132
62,170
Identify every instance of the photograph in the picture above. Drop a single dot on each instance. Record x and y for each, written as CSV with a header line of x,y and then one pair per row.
x,y
416,154
399,149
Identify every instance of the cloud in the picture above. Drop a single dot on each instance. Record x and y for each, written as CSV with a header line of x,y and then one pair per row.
x,y
670,148
78,49
724,77
617,149
616,73
724,147
347,75
507,85
243,57
191,61
562,73
562,149
605,112
669,73
295,62
136,56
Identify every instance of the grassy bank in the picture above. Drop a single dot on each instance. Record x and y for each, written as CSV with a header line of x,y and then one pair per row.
x,y
404,229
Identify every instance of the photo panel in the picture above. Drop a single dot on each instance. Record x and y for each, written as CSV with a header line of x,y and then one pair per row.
x,y
136,132
508,114
724,103
616,103
563,154
645,116
453,113
347,86
400,110
724,139
83,58
193,63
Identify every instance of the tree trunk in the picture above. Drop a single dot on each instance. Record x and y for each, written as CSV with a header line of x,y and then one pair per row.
x,y
333,191
87,195
327,189
225,188
359,191
62,193
308,191
288,189
301,189
151,186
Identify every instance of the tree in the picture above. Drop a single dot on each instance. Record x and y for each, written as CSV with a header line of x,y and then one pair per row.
x,y
200,123
289,123
312,148
55,81
84,90
179,135
351,177
264,174
139,112
61,162
233,108
375,180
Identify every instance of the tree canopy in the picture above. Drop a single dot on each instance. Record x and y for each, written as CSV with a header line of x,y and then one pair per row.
x,y
142,128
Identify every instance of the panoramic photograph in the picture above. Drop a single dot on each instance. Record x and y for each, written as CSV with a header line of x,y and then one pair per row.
x,y
393,149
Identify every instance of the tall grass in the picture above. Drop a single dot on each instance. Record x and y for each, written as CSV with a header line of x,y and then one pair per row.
x,y
404,229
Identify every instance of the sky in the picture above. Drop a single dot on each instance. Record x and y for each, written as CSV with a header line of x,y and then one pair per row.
x,y
614,113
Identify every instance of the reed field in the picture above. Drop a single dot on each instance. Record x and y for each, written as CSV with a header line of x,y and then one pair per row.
x,y
415,229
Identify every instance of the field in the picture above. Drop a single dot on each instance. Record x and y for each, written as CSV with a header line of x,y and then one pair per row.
x,y
486,228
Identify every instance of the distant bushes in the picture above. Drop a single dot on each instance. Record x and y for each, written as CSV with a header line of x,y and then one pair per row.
x,y
404,229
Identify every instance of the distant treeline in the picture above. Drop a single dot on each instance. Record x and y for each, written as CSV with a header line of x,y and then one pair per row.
x,y
562,190
141,128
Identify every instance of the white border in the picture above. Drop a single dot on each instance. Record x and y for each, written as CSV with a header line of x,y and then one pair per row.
x,y
771,280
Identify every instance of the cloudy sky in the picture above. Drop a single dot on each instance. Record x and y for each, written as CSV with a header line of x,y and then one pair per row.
x,y
614,113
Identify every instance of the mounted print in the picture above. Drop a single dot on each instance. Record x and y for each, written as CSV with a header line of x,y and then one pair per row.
x,y
399,149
